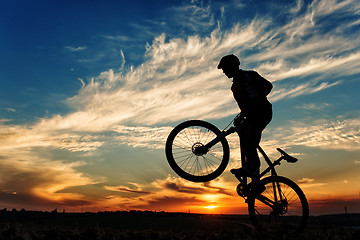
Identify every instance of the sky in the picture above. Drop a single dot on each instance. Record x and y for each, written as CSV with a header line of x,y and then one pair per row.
x,y
91,89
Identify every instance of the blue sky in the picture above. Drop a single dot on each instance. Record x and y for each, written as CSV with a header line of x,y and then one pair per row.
x,y
90,90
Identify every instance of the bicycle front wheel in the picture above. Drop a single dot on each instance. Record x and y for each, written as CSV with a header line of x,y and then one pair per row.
x,y
281,209
184,157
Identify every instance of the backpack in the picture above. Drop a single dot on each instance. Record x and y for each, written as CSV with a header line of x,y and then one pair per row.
x,y
256,85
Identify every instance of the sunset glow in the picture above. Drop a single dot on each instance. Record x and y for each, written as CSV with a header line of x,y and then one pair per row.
x,y
90,91
210,207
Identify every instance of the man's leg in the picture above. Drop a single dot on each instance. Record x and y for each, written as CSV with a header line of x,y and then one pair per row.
x,y
248,145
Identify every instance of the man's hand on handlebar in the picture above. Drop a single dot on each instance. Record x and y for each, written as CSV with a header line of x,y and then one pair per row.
x,y
239,119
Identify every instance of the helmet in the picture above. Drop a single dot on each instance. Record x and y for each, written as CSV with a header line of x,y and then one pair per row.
x,y
229,60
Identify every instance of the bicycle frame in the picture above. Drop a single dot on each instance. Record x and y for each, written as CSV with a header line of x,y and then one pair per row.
x,y
222,135
231,130
243,179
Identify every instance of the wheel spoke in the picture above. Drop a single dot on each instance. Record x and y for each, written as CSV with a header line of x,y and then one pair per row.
x,y
185,157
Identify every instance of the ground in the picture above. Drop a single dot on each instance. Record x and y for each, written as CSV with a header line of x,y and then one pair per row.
x,y
27,225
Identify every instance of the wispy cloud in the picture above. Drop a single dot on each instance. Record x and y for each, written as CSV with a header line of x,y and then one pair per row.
x,y
10,110
198,16
322,133
331,48
137,189
76,49
313,106
150,137
297,90
305,183
330,135
181,186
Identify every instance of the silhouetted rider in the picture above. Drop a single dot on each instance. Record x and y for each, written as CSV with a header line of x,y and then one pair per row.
x,y
250,91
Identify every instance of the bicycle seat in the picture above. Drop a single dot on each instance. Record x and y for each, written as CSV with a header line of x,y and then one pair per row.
x,y
287,157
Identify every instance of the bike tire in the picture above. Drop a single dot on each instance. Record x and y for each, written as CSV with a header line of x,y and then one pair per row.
x,y
287,217
180,145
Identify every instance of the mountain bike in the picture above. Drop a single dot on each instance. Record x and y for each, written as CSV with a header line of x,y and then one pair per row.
x,y
199,152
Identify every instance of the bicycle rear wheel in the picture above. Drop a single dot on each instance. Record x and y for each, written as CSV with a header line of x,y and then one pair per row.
x,y
281,209
184,157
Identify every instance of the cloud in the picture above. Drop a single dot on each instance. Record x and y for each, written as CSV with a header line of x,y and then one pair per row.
x,y
181,186
341,134
196,16
306,180
10,110
311,37
37,181
297,8
306,183
313,106
150,137
34,172
127,189
172,194
16,138
326,66
76,49
120,38
303,89
170,203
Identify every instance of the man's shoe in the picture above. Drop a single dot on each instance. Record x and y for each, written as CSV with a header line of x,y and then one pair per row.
x,y
243,171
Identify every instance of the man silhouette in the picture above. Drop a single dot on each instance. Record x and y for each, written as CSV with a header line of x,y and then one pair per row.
x,y
250,91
